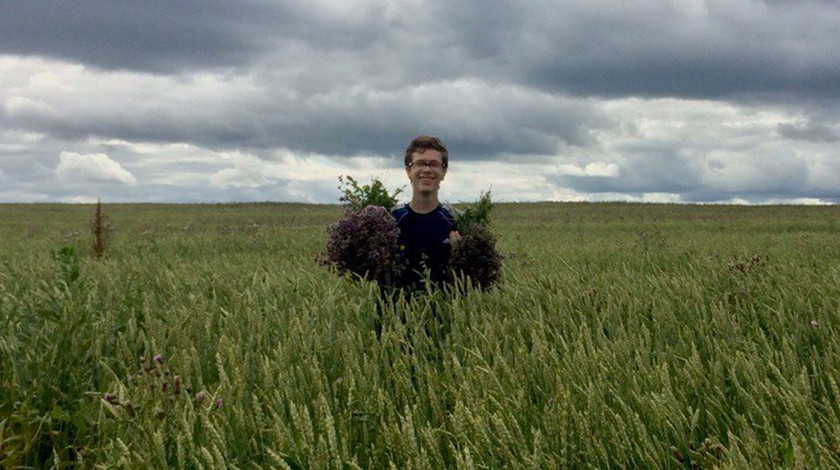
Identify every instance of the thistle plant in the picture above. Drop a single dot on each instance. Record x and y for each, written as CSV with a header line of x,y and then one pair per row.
x,y
364,243
161,412
476,256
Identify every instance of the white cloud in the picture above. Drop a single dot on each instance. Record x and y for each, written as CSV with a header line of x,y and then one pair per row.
x,y
93,168
248,171
17,106
601,169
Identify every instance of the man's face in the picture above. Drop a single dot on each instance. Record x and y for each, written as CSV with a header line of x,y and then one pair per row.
x,y
426,171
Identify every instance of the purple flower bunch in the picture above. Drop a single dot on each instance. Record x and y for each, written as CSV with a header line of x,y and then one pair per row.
x,y
477,257
364,243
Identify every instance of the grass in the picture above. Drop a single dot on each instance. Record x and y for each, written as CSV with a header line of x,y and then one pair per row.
x,y
622,335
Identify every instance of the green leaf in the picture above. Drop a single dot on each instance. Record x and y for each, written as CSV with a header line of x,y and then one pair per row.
x,y
59,414
475,214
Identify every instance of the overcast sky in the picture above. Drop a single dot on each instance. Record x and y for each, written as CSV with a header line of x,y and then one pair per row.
x,y
687,101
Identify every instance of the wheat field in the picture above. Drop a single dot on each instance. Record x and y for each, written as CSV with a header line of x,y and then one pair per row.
x,y
620,336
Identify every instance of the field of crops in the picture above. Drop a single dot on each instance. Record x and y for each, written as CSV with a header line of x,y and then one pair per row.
x,y
621,336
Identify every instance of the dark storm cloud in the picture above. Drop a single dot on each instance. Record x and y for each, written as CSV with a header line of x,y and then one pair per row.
x,y
653,169
175,37
666,169
155,36
811,132
478,120
685,49
611,48
512,82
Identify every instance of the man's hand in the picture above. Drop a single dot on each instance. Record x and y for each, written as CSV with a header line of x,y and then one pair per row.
x,y
454,239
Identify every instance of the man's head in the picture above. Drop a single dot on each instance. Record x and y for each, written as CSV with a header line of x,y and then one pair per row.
x,y
426,161
422,143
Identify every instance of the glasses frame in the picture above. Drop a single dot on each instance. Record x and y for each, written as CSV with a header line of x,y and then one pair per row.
x,y
427,164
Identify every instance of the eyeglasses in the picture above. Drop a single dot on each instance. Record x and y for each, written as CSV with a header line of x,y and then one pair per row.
x,y
431,164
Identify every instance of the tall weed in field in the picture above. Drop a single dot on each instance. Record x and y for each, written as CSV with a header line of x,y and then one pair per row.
x,y
100,225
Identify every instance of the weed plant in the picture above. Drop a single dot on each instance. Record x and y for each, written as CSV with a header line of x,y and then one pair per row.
x,y
622,336
100,225
356,196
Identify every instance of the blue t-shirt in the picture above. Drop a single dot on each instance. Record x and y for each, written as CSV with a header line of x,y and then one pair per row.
x,y
424,241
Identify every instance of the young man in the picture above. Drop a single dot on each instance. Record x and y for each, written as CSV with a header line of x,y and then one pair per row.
x,y
427,229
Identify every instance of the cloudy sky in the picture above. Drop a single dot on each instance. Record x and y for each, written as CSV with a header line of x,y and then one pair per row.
x,y
271,100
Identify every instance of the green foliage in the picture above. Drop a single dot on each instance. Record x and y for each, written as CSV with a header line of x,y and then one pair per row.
x,y
68,263
624,336
476,214
50,369
356,197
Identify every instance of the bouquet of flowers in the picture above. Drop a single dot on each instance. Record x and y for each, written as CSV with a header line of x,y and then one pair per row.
x,y
364,243
476,257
